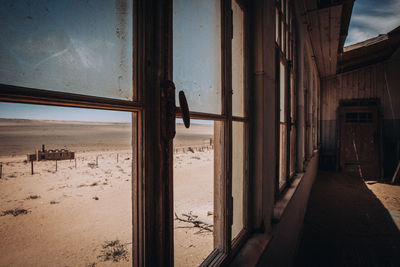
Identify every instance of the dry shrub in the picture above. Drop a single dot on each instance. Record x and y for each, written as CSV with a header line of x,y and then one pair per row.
x,y
33,197
92,165
15,212
114,251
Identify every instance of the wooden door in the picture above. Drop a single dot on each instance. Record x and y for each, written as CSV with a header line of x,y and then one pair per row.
x,y
359,142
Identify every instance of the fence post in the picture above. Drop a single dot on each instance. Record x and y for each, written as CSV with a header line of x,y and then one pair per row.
x,y
32,167
1,170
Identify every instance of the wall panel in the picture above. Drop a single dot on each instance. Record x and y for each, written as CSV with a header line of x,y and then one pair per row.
x,y
378,81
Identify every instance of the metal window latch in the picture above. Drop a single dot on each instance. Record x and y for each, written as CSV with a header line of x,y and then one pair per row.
x,y
169,109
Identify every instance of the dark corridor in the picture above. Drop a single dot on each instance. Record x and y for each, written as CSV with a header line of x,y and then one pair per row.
x,y
346,225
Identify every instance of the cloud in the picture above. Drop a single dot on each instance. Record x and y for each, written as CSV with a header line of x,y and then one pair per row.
x,y
372,18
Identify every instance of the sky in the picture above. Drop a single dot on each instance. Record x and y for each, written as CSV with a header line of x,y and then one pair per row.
x,y
53,113
41,112
371,18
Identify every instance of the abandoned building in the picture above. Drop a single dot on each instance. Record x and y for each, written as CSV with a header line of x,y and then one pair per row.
x,y
289,104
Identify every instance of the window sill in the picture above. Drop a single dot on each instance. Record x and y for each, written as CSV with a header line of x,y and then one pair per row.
x,y
252,251
284,200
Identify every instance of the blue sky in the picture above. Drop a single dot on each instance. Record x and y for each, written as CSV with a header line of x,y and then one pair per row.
x,y
40,112
371,18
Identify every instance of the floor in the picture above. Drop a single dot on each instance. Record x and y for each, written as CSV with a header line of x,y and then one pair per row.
x,y
346,224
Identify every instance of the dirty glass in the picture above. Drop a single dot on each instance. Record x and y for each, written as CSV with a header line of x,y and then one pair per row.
x,y
195,216
283,127
292,126
72,46
277,25
282,93
282,154
237,176
238,61
197,53
283,40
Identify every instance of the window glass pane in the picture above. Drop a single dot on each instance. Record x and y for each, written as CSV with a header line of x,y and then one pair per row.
x,y
76,207
292,98
287,11
238,61
197,53
282,154
287,44
72,46
292,150
196,219
293,128
282,92
277,25
282,36
238,168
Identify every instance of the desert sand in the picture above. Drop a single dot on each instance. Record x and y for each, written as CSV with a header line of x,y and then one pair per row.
x,y
82,216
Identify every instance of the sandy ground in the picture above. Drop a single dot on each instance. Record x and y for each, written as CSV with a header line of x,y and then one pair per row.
x,y
71,212
193,175
74,214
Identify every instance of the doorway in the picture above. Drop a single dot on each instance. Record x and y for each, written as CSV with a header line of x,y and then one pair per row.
x,y
359,139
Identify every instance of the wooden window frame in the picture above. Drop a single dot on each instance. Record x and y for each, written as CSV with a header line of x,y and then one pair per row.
x,y
37,96
240,239
229,247
285,51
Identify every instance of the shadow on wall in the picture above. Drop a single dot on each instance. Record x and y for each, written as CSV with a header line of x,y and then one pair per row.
x,y
346,225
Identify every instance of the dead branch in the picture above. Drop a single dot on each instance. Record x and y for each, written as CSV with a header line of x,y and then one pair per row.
x,y
196,223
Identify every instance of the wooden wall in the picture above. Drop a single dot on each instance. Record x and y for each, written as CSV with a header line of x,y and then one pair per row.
x,y
380,81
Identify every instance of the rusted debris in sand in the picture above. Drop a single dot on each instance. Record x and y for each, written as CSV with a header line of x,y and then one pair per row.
x,y
51,154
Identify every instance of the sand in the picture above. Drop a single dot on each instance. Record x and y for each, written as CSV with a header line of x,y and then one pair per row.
x,y
389,196
72,213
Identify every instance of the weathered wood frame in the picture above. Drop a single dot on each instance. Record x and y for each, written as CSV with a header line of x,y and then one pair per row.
x,y
239,240
285,50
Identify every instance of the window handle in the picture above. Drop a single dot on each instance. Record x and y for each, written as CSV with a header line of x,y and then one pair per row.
x,y
169,110
184,108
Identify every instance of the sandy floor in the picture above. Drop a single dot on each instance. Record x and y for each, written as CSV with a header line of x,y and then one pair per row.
x,y
73,215
349,223
389,196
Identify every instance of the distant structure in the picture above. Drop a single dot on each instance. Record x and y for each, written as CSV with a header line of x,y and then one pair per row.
x,y
51,154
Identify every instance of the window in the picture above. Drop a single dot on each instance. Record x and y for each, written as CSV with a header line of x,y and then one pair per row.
x,y
287,93
80,54
220,103
307,104
239,124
